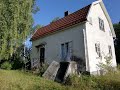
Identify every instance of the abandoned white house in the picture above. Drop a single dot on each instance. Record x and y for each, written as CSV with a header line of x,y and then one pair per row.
x,y
85,36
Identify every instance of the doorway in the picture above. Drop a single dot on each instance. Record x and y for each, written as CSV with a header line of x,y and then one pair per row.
x,y
42,55
62,71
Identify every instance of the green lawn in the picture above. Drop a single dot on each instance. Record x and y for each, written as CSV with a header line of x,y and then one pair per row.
x,y
17,80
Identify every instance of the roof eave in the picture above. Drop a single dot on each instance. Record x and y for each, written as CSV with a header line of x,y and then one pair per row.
x,y
33,39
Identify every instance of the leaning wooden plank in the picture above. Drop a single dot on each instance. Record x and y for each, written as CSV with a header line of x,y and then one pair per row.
x,y
51,72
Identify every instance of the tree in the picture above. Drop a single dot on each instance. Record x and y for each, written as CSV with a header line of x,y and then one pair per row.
x,y
35,28
15,24
117,41
117,29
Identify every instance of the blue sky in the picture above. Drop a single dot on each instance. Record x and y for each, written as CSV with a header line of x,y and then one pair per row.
x,y
49,9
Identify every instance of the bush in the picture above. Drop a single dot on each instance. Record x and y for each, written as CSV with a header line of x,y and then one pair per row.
x,y
40,70
106,83
17,64
84,82
43,69
118,67
109,81
6,65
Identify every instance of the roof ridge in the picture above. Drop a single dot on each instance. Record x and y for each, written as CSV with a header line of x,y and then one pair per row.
x,y
71,19
69,14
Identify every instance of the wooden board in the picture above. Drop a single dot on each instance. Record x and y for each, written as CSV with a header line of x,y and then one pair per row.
x,y
51,72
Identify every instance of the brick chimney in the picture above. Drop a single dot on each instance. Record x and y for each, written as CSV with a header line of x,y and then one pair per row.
x,y
66,13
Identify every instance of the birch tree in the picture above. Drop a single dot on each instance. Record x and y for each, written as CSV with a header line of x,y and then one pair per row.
x,y
15,24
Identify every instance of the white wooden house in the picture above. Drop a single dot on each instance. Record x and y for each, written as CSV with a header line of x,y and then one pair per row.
x,y
85,36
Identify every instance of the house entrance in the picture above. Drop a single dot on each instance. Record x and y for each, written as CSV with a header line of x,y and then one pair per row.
x,y
42,55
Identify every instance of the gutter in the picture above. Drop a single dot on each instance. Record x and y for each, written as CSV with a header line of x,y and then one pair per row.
x,y
86,51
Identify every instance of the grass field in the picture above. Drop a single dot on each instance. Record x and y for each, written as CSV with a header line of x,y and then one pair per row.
x,y
17,80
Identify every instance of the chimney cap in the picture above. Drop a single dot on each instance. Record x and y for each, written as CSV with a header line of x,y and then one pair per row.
x,y
66,13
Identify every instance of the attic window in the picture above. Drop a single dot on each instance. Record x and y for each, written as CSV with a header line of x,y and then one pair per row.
x,y
101,24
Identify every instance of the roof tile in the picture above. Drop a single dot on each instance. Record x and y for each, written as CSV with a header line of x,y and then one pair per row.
x,y
72,19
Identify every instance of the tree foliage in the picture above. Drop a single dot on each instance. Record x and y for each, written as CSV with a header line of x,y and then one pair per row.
x,y
117,29
117,41
35,28
15,24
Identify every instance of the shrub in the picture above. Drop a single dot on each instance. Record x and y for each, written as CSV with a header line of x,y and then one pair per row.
x,y
84,82
40,70
43,68
104,82
107,66
108,82
6,65
118,67
17,64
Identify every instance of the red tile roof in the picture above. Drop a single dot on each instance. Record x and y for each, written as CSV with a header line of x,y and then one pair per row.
x,y
72,19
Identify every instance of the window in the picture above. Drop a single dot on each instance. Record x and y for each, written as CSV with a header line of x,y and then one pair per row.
x,y
66,50
110,50
101,24
97,49
62,51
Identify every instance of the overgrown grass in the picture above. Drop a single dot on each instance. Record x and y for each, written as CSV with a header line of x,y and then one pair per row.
x,y
18,80
110,81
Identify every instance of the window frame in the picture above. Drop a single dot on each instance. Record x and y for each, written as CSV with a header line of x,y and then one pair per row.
x,y
66,50
98,50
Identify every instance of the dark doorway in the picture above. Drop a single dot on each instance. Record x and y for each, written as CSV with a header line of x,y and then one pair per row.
x,y
42,55
62,71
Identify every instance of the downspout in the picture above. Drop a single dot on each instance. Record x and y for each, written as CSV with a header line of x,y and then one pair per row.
x,y
86,51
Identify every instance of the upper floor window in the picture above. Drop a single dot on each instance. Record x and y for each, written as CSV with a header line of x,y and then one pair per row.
x,y
97,49
101,24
